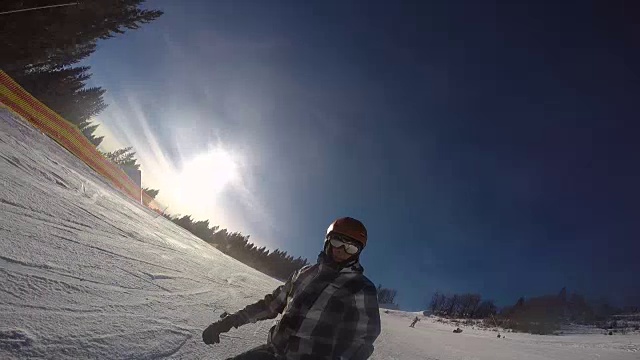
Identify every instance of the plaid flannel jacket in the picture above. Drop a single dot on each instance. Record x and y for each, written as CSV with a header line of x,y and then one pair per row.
x,y
327,313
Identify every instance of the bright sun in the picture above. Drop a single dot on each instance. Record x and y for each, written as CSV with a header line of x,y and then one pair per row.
x,y
206,175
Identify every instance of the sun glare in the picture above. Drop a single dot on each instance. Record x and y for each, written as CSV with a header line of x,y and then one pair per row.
x,y
206,176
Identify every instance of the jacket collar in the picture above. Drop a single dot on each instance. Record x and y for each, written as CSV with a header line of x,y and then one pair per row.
x,y
327,261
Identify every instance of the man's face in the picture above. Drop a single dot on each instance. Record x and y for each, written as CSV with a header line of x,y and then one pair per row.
x,y
339,255
342,248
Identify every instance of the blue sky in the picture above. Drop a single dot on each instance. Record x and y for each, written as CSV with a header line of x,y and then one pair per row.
x,y
488,148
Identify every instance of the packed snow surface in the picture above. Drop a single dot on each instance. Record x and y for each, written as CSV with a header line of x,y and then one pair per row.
x,y
86,272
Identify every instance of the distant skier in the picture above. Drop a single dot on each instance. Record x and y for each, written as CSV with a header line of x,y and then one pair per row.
x,y
413,323
329,310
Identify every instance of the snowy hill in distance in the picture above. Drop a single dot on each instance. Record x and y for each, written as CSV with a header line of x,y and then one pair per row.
x,y
87,273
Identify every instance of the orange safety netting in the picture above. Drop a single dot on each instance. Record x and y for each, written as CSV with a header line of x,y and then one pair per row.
x,y
68,136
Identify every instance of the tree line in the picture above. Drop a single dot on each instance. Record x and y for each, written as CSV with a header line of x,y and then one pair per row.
x,y
468,305
545,314
539,314
276,263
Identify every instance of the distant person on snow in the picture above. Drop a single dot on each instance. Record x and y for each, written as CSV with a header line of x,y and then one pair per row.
x,y
329,310
413,324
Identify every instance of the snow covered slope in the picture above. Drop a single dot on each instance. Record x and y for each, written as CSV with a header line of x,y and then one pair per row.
x,y
91,274
87,273
434,340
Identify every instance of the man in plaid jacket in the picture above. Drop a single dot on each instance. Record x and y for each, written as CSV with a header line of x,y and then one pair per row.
x,y
329,310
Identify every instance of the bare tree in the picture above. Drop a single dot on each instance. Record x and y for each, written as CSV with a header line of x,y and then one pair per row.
x,y
452,304
469,304
437,302
386,296
485,309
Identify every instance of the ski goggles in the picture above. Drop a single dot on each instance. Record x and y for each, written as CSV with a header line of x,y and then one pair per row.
x,y
338,241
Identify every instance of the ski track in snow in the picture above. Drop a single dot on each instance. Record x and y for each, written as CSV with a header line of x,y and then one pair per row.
x,y
87,273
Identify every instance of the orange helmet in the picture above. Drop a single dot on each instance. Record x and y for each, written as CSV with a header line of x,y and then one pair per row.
x,y
349,227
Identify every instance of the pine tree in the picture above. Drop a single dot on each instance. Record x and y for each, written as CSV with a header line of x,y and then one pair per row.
x,y
151,192
40,47
87,103
53,38
88,130
124,157
64,92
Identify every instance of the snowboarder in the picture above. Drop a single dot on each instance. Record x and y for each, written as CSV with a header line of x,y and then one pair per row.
x,y
413,324
329,310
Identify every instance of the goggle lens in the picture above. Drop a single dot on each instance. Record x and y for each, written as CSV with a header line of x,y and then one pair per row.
x,y
349,247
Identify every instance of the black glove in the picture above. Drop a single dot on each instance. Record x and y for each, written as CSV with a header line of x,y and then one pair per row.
x,y
211,335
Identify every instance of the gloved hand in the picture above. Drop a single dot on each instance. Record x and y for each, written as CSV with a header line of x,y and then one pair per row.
x,y
211,335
